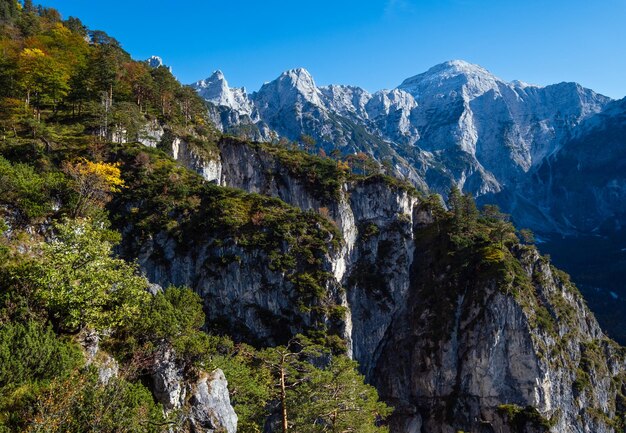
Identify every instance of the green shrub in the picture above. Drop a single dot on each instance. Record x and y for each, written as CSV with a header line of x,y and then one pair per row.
x,y
81,284
32,352
175,317
31,193
520,418
81,403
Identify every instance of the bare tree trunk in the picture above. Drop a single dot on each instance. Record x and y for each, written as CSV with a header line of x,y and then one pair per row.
x,y
283,399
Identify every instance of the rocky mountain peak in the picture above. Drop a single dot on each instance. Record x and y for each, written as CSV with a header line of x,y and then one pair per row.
x,y
217,75
292,87
155,61
216,90
300,77
346,100
452,76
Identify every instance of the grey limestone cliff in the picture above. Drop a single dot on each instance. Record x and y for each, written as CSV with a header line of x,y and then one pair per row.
x,y
452,345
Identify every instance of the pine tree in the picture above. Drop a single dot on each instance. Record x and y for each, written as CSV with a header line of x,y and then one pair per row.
x,y
336,399
8,11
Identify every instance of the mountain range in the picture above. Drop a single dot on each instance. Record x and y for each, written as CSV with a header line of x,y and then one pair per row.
x,y
455,123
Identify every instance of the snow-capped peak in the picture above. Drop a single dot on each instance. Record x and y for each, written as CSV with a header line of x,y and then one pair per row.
x,y
452,68
346,100
456,76
522,84
298,74
302,81
215,81
155,61
217,76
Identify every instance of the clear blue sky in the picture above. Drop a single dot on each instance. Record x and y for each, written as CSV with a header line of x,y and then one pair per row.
x,y
373,44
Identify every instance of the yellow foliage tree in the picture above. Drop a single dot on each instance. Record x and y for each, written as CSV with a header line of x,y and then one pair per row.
x,y
94,182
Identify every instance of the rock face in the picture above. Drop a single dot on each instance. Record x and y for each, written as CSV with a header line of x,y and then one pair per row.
x,y
457,372
456,123
451,347
576,201
106,365
210,405
581,188
551,156
205,402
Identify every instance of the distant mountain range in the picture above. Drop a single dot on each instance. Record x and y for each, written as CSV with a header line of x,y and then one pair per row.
x,y
456,123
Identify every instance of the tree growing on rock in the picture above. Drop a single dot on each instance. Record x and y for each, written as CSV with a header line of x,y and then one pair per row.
x,y
320,393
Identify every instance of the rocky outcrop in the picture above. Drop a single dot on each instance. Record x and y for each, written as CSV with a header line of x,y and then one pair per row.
x,y
210,405
452,345
210,169
375,220
200,156
203,402
242,289
497,349
104,363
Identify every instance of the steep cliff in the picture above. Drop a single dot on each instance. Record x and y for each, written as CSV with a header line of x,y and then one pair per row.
x,y
478,338
500,342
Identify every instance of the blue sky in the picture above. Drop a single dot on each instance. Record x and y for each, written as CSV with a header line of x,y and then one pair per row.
x,y
372,44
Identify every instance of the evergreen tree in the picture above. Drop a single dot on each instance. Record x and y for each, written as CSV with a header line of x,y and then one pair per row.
x,y
289,371
336,399
328,398
464,216
8,11
499,223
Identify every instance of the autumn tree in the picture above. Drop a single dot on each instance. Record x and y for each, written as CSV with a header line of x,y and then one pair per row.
x,y
166,87
136,77
42,78
335,153
94,182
